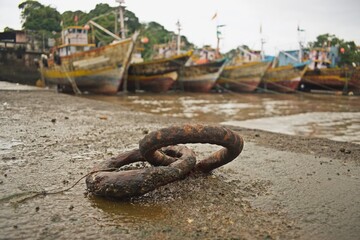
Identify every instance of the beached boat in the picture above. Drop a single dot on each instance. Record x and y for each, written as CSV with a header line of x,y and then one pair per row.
x,y
323,74
243,78
284,79
79,65
156,75
200,77
285,73
244,72
324,79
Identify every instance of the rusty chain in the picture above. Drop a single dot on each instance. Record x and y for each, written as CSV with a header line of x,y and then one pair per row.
x,y
171,162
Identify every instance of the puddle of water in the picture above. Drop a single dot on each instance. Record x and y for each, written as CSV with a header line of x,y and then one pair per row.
x,y
339,126
327,116
127,212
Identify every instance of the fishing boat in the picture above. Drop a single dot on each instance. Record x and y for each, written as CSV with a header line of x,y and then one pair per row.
x,y
323,73
243,78
200,77
156,75
285,73
244,72
83,67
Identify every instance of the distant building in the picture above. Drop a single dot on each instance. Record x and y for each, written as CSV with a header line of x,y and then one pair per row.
x,y
13,37
19,54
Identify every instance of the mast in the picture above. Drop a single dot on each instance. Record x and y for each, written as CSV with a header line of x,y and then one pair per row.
x,y
121,18
262,41
178,37
300,43
218,34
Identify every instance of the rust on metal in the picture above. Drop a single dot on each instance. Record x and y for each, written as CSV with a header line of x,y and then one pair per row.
x,y
130,183
192,133
171,162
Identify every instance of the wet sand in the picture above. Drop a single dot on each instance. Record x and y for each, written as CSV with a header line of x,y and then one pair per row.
x,y
280,187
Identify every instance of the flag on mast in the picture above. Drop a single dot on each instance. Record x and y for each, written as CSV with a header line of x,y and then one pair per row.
x,y
215,15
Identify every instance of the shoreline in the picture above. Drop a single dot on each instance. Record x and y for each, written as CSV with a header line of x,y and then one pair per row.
x,y
280,186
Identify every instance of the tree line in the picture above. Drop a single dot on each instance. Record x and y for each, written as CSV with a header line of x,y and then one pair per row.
x,y
49,22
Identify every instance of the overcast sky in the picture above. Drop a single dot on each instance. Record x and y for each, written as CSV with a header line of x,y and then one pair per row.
x,y
279,19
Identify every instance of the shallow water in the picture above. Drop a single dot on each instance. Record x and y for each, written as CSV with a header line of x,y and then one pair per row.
x,y
334,117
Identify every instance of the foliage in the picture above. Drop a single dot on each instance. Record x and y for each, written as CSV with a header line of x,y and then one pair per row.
x,y
36,17
350,54
157,34
325,40
7,29
105,15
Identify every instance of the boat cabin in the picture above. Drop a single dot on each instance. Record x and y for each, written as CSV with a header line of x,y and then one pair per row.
x,y
74,39
324,57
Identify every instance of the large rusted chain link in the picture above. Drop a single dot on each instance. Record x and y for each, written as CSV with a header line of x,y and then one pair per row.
x,y
192,133
130,183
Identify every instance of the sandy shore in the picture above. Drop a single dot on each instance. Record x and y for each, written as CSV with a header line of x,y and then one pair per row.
x,y
280,187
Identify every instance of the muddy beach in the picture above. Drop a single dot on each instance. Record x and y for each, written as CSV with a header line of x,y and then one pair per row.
x,y
280,187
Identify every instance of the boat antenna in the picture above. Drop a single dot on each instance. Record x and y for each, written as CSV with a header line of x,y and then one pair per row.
x,y
178,37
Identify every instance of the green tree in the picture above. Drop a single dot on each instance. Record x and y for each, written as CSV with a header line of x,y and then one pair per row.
x,y
350,54
326,40
36,16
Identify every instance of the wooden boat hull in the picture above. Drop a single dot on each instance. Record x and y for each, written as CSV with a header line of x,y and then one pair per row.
x,y
201,77
243,78
99,71
354,83
332,79
327,78
284,79
152,83
106,81
156,75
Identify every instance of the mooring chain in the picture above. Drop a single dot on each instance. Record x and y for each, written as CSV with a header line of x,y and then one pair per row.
x,y
192,133
171,162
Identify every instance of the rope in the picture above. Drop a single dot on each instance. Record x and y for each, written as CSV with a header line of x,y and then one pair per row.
x,y
34,194
72,81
